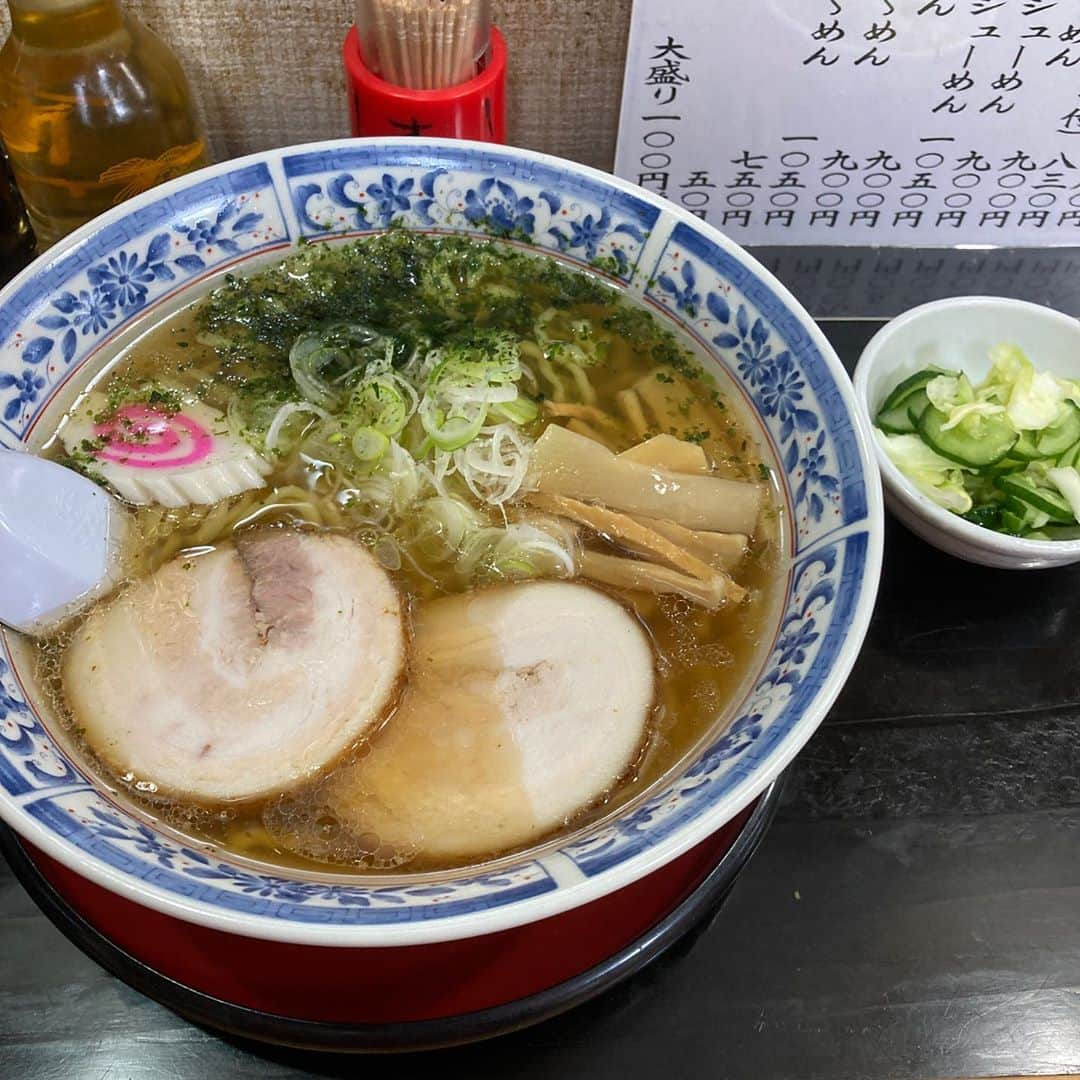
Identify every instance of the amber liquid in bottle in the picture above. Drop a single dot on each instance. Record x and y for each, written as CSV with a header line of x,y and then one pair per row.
x,y
16,239
94,108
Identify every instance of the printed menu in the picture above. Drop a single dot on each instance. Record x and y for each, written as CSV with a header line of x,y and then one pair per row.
x,y
882,122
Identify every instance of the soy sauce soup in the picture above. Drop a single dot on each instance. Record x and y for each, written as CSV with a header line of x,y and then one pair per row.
x,y
395,391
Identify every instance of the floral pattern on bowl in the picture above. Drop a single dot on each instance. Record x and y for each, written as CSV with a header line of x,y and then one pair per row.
x,y
124,271
205,876
356,192
771,359
64,307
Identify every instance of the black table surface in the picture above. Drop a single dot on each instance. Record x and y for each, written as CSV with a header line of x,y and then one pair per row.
x,y
914,912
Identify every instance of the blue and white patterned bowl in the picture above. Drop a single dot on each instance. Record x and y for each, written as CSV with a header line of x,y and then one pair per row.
x,y
161,248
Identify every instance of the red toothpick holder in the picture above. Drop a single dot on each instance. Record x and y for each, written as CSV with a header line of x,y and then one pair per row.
x,y
474,109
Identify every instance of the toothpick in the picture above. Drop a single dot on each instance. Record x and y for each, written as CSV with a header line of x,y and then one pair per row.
x,y
423,44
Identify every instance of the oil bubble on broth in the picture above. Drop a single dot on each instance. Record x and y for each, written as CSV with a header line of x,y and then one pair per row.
x,y
399,392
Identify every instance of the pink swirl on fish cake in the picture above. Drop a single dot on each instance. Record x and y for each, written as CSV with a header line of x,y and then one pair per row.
x,y
145,438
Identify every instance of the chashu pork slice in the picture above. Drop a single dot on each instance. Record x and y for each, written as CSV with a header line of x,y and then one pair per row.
x,y
243,671
526,703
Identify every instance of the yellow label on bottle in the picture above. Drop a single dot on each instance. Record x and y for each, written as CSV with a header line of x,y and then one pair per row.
x,y
139,174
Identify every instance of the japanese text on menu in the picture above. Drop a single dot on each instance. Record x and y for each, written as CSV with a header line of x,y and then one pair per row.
x,y
907,122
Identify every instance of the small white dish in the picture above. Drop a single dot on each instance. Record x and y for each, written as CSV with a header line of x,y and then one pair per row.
x,y
958,334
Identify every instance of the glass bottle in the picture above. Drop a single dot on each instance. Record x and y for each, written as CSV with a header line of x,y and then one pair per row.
x,y
16,239
94,108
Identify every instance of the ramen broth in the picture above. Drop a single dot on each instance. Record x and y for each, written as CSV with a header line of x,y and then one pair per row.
x,y
583,347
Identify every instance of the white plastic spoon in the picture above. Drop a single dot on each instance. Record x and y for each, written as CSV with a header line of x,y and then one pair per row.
x,y
60,541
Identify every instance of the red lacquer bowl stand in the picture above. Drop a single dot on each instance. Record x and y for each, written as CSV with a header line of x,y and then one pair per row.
x,y
406,998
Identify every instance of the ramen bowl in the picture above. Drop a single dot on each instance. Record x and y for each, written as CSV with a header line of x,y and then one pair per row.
x,y
164,248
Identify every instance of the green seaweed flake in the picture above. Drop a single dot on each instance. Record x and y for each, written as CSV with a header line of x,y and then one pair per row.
x,y
419,289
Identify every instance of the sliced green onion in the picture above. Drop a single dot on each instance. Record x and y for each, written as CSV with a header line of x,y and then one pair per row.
x,y
369,444
522,410
284,415
308,358
384,401
443,525
449,431
321,361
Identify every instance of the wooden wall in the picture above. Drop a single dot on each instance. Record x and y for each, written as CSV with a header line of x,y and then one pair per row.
x,y
268,72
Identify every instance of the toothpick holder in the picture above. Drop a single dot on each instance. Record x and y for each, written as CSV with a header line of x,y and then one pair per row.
x,y
475,109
